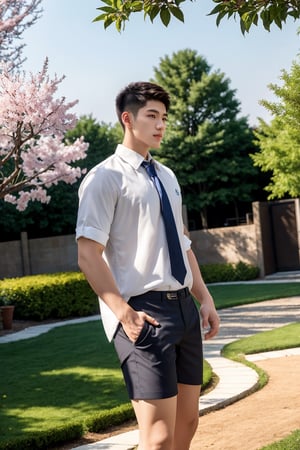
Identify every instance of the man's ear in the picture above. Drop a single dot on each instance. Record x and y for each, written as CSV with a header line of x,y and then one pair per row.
x,y
126,119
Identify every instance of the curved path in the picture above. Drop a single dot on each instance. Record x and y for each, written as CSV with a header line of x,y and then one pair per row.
x,y
235,380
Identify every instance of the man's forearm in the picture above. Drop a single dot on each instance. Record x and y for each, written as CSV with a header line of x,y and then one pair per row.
x,y
199,289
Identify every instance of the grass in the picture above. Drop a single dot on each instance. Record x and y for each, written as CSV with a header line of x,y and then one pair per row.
x,y
291,442
72,372
287,336
69,372
228,295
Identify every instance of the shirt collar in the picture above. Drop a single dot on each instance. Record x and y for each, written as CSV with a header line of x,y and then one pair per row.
x,y
130,156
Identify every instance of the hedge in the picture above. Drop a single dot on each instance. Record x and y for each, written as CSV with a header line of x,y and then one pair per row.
x,y
68,294
216,273
71,431
40,297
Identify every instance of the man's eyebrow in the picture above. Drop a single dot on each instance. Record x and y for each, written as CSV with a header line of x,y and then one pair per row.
x,y
156,111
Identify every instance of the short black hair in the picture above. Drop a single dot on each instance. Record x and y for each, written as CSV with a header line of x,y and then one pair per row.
x,y
135,96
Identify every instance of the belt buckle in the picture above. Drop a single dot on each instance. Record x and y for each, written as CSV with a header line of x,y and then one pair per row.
x,y
172,295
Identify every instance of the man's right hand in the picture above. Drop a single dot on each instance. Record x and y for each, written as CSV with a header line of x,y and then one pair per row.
x,y
133,322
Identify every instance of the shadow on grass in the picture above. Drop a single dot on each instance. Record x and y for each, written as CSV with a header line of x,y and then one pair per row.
x,y
66,374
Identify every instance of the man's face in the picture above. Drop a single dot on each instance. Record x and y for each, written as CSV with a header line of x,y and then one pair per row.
x,y
149,125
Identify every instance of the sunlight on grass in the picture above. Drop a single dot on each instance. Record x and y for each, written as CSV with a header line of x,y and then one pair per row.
x,y
284,337
84,373
230,295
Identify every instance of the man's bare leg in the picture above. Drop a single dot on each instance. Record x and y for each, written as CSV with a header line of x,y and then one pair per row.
x,y
187,416
156,420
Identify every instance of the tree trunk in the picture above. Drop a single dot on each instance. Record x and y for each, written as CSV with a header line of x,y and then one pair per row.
x,y
203,215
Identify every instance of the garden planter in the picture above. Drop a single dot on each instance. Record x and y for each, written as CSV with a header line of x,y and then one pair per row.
x,y
7,313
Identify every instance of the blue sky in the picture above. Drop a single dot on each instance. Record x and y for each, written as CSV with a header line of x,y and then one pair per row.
x,y
97,63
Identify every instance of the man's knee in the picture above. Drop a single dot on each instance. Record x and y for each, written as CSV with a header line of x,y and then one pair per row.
x,y
193,424
162,440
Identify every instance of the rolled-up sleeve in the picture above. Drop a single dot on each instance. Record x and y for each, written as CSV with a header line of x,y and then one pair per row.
x,y
97,199
186,242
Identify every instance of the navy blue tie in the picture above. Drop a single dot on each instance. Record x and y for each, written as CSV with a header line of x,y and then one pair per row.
x,y
178,268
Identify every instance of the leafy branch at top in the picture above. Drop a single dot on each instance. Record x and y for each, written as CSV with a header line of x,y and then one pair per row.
x,y
249,12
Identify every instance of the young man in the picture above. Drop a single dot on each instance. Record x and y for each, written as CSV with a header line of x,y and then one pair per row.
x,y
124,253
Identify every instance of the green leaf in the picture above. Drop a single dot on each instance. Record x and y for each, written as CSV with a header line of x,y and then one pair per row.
x,y
176,12
107,2
137,6
153,12
255,19
242,26
217,9
165,16
108,21
278,22
265,17
107,9
220,17
98,18
119,23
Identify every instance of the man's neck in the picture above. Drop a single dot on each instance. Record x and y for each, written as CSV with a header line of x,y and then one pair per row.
x,y
141,149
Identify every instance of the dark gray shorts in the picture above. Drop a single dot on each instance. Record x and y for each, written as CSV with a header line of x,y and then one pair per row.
x,y
165,355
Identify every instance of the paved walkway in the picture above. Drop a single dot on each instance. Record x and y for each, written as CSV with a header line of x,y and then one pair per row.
x,y
235,380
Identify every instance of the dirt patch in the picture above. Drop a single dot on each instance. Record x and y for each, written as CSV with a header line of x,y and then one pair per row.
x,y
260,419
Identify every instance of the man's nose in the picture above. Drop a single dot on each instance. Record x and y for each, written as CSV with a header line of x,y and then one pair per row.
x,y
160,124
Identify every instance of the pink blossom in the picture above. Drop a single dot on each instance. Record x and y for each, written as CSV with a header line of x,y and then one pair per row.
x,y
15,17
32,127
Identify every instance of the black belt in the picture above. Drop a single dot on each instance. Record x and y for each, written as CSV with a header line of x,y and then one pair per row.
x,y
165,295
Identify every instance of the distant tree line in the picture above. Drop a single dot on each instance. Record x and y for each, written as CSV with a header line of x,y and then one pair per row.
x,y
223,165
207,144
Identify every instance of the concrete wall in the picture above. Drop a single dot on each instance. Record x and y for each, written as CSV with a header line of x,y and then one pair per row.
x,y
35,256
221,245
11,262
59,254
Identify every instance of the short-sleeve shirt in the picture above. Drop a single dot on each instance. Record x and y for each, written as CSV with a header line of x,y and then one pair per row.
x,y
119,208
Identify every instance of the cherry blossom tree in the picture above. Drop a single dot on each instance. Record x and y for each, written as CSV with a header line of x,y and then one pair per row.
x,y
15,17
33,154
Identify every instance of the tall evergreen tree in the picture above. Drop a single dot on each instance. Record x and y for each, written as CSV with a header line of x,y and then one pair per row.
x,y
206,143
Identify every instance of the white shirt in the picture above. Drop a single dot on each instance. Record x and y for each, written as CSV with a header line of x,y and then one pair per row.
x,y
119,207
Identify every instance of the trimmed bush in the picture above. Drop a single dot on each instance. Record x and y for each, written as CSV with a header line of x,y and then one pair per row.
x,y
217,273
46,439
108,418
40,297
63,295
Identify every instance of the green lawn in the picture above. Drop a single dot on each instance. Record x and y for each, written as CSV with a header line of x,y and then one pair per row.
x,y
291,442
287,336
240,294
71,373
